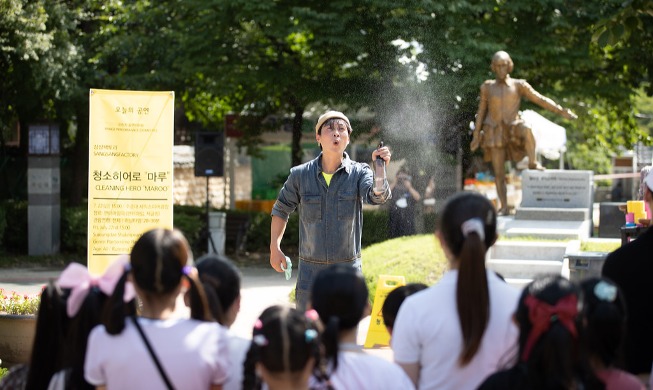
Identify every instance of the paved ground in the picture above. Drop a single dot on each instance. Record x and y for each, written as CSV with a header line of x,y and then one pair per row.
x,y
261,288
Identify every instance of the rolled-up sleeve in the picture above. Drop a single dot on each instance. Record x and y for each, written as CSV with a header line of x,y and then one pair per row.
x,y
366,186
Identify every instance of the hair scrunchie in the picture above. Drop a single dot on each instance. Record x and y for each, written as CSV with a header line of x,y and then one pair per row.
x,y
474,225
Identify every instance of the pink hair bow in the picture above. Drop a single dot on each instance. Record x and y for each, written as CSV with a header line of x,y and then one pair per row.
x,y
77,278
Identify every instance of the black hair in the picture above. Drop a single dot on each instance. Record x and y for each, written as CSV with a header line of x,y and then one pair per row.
x,y
221,281
394,300
88,316
604,314
158,260
339,295
283,340
472,294
555,360
48,348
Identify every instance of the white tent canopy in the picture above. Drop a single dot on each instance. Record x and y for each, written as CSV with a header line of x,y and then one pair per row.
x,y
550,138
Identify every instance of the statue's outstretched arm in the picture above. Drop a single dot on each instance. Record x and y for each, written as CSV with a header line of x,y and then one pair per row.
x,y
529,93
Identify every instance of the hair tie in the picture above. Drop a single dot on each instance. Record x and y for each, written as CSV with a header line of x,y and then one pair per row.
x,y
542,315
77,278
258,324
474,225
605,291
186,270
312,315
260,340
310,335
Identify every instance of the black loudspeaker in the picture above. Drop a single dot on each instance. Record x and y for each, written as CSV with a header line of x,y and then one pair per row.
x,y
209,153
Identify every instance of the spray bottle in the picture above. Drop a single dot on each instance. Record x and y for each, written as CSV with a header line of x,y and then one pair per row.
x,y
379,172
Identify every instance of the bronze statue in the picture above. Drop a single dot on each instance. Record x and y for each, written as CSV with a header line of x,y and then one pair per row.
x,y
499,129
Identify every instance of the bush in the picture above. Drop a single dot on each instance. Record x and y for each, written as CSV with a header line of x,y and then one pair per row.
x,y
375,229
74,229
15,238
190,220
418,259
3,224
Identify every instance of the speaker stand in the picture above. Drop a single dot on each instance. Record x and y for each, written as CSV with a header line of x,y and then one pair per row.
x,y
207,231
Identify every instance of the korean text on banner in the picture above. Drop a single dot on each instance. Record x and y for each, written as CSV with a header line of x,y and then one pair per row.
x,y
130,170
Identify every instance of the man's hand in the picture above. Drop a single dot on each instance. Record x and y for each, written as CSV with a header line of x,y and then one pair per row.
x,y
384,153
277,258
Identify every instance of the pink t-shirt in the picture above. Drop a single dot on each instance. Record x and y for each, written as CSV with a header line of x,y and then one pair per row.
x,y
619,380
194,355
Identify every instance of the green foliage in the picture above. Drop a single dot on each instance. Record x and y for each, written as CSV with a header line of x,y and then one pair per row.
x,y
3,223
74,228
190,220
375,229
13,303
3,372
15,238
416,258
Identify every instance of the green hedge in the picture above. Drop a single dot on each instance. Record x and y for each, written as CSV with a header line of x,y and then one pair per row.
x,y
189,219
14,239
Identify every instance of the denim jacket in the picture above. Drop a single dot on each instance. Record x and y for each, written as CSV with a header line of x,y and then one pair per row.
x,y
330,217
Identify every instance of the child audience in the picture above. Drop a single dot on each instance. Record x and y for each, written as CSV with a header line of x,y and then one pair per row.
x,y
340,297
394,300
604,317
457,332
284,351
84,306
550,356
221,281
155,350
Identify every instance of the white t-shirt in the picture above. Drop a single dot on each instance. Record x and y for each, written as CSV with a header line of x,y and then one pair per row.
x,y
238,348
427,331
360,371
194,354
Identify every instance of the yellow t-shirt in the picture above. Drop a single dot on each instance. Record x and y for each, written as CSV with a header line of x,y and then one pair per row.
x,y
327,177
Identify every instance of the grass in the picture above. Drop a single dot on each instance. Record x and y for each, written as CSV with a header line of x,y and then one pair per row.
x,y
594,246
416,258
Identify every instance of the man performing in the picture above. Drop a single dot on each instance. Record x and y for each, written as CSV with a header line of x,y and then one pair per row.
x,y
329,192
499,129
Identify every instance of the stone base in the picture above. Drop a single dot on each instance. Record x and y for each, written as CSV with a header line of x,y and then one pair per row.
x,y
508,226
552,214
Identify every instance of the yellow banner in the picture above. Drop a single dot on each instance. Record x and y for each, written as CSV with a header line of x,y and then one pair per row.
x,y
131,137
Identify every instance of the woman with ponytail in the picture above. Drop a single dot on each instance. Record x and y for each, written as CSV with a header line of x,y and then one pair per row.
x,y
284,352
340,298
455,333
155,349
549,355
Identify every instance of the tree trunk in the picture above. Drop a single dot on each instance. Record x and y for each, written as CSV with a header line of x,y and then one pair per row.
x,y
298,120
80,157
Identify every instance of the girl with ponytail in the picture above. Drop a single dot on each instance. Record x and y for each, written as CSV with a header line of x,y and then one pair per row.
x,y
155,349
340,298
455,333
284,352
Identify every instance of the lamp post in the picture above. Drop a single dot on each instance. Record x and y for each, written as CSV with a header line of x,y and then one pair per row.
x,y
43,189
